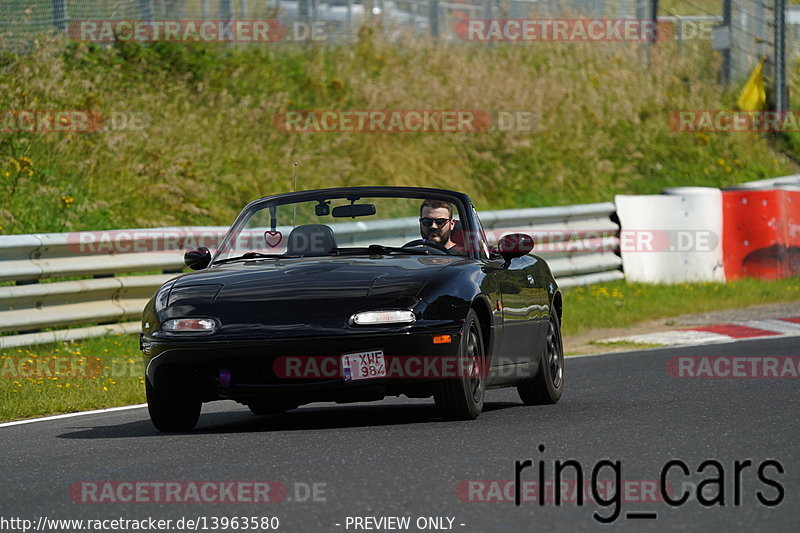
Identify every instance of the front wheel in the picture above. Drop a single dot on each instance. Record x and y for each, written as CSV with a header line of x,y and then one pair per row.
x,y
172,410
461,397
548,384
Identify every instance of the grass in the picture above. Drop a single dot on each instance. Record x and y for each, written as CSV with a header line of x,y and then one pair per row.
x,y
622,345
49,379
620,304
114,369
704,7
207,143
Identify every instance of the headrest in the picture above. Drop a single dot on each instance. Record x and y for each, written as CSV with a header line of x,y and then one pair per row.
x,y
311,240
457,235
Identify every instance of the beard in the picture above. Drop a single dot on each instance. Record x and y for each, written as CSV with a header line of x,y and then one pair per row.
x,y
438,235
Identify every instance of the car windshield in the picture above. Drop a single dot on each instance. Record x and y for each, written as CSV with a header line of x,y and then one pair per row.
x,y
328,225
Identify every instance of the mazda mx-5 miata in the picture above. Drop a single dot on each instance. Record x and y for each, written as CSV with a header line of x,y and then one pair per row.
x,y
354,294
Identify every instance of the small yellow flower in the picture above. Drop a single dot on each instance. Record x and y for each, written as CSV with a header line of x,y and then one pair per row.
x,y
67,200
337,84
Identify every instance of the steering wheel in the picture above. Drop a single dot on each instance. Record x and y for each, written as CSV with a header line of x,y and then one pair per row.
x,y
426,242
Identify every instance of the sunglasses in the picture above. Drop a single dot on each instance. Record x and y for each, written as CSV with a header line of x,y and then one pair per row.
x,y
428,222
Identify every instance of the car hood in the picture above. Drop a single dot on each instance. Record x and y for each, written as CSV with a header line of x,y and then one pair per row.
x,y
318,278
302,295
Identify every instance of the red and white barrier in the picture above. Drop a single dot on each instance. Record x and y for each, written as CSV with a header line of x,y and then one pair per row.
x,y
761,233
712,235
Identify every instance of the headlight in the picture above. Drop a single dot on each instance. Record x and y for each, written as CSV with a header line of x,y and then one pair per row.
x,y
162,297
190,325
383,317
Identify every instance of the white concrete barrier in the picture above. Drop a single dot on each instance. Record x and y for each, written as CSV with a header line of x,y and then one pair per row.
x,y
672,238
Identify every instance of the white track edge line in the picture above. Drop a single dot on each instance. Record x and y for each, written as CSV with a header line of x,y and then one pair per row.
x,y
72,415
582,356
678,346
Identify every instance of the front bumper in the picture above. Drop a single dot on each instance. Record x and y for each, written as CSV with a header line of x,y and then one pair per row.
x,y
245,370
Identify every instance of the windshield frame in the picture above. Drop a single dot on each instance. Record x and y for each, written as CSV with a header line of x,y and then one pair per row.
x,y
460,201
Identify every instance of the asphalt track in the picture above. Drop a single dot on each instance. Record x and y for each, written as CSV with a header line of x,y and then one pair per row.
x,y
397,458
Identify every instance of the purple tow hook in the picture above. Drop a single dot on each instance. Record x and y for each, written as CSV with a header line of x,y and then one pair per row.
x,y
224,378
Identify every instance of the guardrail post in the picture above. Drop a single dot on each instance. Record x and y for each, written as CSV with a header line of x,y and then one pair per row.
x,y
60,15
434,16
145,10
781,100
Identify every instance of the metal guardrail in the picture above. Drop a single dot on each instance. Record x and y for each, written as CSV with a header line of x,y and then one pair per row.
x,y
784,182
119,270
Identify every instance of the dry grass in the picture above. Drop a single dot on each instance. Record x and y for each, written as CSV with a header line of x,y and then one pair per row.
x,y
211,144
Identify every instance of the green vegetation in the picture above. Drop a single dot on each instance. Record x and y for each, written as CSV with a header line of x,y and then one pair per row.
x,y
620,304
210,143
204,142
106,372
701,7
620,346
49,379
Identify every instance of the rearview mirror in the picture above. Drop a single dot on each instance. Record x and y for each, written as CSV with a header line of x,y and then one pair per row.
x,y
354,210
197,259
515,245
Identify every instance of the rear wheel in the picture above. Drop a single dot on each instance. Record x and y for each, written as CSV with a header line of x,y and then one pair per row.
x,y
172,410
461,397
271,407
548,384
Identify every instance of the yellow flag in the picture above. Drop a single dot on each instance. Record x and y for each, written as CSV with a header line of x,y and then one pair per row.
x,y
753,97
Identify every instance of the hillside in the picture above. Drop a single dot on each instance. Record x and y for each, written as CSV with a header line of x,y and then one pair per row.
x,y
205,140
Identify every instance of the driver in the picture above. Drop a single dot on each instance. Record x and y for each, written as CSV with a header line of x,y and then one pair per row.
x,y
436,223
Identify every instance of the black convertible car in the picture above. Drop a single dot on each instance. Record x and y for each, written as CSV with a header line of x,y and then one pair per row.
x,y
354,294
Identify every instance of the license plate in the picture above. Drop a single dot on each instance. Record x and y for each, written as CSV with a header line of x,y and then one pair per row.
x,y
363,365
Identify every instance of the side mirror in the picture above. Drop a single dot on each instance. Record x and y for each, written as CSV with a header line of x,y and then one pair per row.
x,y
197,259
515,245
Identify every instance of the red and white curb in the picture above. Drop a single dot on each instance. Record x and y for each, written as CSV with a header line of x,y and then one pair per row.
x,y
751,329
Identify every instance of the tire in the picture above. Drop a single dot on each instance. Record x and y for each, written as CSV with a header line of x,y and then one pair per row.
x,y
172,410
271,407
546,387
461,398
